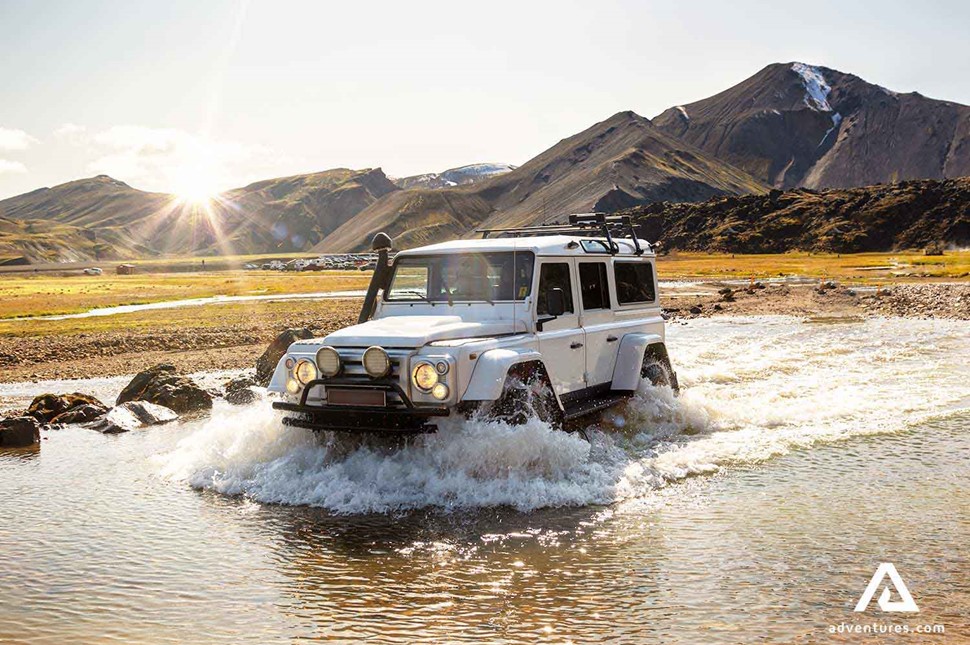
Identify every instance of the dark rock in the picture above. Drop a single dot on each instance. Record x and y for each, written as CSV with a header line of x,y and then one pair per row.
x,y
239,383
266,364
695,310
162,386
725,291
131,416
46,407
18,432
717,306
242,396
79,414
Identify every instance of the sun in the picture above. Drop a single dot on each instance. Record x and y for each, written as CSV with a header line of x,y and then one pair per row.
x,y
195,186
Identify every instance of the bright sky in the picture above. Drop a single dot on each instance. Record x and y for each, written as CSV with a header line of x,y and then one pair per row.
x,y
194,97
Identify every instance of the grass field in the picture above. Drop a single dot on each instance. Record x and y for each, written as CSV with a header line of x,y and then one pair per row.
x,y
50,293
875,268
45,294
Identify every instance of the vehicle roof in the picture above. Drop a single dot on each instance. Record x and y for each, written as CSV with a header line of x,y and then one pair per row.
x,y
540,245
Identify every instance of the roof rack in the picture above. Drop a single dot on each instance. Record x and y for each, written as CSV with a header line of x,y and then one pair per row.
x,y
608,226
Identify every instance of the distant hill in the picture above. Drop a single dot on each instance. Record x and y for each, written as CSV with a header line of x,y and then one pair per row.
x,y
102,218
790,125
613,164
793,125
452,177
906,215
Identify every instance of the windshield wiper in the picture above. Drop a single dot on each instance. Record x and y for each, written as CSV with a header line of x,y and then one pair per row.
x,y
422,296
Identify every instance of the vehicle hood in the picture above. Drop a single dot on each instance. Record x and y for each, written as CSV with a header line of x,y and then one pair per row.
x,y
416,331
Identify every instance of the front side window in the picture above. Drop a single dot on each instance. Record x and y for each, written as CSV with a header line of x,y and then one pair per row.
x,y
634,282
595,288
462,277
554,275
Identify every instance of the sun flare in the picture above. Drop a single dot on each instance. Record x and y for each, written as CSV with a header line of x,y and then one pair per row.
x,y
195,186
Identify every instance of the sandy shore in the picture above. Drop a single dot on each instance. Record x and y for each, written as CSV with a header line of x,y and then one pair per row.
x,y
219,340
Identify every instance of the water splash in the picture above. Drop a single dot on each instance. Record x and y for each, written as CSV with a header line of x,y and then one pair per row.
x,y
753,389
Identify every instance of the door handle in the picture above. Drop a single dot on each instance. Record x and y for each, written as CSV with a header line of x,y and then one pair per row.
x,y
611,339
575,345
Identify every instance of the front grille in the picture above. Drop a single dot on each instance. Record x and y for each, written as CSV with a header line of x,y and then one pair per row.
x,y
353,373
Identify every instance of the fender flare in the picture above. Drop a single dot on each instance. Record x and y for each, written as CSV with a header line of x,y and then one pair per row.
x,y
629,360
488,378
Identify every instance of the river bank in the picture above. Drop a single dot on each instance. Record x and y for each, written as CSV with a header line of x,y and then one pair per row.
x,y
232,335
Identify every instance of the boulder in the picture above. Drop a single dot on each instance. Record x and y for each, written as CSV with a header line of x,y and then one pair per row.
x,y
131,416
18,432
696,309
239,383
79,414
162,386
266,364
46,407
243,396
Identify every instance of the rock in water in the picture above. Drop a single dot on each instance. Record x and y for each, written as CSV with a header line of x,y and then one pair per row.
x,y
162,386
131,416
243,396
239,383
266,364
46,407
79,414
18,432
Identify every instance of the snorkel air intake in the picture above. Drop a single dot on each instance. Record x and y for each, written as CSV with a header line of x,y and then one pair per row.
x,y
382,244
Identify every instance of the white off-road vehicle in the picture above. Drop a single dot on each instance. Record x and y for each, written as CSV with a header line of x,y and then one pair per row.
x,y
559,320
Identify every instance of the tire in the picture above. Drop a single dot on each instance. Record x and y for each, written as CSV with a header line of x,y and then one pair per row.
x,y
657,370
527,393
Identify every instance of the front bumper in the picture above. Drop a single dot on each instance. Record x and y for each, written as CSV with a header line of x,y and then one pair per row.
x,y
345,418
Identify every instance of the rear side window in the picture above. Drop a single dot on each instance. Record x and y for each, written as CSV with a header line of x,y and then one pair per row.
x,y
595,288
634,282
551,276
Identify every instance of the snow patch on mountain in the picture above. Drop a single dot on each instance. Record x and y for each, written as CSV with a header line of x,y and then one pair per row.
x,y
816,88
683,112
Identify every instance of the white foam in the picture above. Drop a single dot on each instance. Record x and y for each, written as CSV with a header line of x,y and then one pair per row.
x,y
753,389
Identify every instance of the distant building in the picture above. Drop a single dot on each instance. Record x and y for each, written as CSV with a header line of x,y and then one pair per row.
x,y
126,269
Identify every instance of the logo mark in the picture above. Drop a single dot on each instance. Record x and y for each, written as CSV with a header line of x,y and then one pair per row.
x,y
905,604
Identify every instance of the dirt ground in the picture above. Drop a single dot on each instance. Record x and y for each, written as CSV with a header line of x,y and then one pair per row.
x,y
233,336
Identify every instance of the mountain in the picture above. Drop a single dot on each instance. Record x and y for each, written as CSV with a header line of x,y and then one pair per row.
x,y
905,215
617,163
461,176
102,218
793,124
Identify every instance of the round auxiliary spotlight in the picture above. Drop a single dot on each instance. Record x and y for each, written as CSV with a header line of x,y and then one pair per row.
x,y
376,362
328,361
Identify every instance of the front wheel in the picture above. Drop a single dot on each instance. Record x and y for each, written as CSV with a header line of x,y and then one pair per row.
x,y
657,371
527,394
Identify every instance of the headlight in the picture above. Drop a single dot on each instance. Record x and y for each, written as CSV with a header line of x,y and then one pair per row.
x,y
292,386
328,361
440,391
376,362
305,371
425,376
441,367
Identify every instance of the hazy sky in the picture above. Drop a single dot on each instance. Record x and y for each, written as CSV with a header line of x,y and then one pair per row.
x,y
195,96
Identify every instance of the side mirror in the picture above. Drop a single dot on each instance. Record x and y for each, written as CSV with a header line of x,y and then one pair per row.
x,y
555,302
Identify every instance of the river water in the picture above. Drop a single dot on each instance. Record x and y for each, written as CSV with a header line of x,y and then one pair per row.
x,y
753,508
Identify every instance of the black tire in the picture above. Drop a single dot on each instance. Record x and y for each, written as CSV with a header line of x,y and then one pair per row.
x,y
527,393
657,370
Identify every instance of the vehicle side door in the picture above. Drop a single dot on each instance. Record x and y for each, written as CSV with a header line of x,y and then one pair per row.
x,y
561,341
598,320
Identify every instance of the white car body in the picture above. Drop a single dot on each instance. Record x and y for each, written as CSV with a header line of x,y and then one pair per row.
x,y
589,357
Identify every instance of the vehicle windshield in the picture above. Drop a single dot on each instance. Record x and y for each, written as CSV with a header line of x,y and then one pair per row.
x,y
464,277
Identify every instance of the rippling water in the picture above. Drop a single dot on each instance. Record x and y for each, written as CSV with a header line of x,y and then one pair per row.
x,y
754,507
